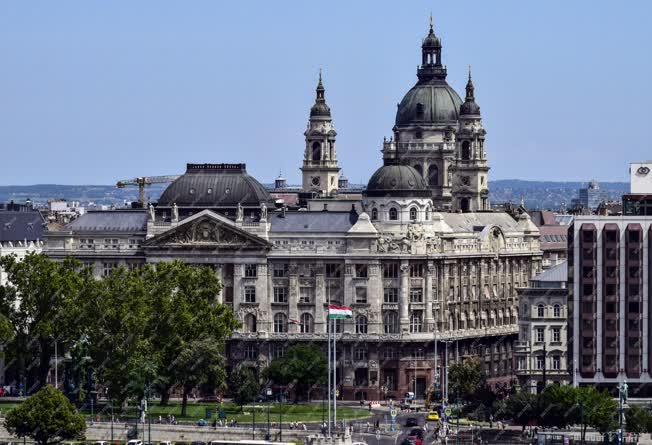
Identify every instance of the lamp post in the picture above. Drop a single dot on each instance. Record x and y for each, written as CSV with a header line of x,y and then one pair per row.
x,y
280,416
269,394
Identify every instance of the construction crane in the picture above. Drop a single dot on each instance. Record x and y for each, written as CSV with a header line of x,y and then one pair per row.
x,y
143,181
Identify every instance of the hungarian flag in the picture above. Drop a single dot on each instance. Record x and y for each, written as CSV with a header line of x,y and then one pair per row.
x,y
292,321
339,312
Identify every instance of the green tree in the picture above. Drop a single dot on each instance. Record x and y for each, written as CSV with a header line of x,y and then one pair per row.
x,y
559,406
303,366
522,408
186,308
637,419
116,317
40,303
46,417
599,410
200,361
244,386
466,378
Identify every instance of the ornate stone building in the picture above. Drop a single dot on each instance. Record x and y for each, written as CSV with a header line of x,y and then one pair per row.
x,y
415,276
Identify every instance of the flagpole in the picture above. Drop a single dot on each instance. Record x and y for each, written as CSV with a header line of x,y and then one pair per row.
x,y
335,374
328,328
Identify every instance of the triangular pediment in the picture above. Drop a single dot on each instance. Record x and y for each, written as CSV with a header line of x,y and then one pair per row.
x,y
207,229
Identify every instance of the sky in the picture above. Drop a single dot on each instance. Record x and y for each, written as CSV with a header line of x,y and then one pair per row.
x,y
92,92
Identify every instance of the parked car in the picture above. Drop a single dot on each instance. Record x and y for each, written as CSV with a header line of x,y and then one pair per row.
x,y
135,442
433,416
410,421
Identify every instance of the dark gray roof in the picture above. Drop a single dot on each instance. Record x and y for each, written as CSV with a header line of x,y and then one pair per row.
x,y
440,104
312,222
215,185
110,221
397,180
21,226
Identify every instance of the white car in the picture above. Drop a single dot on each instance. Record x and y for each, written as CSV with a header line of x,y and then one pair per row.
x,y
135,442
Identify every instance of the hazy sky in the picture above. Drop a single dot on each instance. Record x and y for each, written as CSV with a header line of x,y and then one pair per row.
x,y
93,91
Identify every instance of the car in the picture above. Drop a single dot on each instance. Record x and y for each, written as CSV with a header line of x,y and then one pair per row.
x,y
135,442
410,421
433,416
415,440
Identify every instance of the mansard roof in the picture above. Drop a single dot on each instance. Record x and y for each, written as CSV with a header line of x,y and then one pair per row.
x,y
21,226
310,222
110,221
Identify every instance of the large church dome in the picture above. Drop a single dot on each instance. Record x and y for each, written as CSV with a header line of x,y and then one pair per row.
x,y
393,179
432,102
214,186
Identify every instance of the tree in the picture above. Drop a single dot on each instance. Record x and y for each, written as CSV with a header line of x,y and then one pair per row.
x,y
40,303
466,378
303,366
637,419
186,308
46,417
599,410
200,361
244,386
522,408
559,406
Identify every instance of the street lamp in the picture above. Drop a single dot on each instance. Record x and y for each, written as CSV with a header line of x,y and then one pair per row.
x,y
269,394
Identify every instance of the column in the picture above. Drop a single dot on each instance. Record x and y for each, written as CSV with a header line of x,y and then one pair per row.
x,y
429,321
219,273
320,299
237,286
404,302
293,297
375,298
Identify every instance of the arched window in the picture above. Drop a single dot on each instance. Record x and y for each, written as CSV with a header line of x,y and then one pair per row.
x,y
433,175
466,150
413,214
250,323
464,204
416,321
338,326
419,111
393,214
280,323
374,214
360,324
316,151
307,325
390,322
541,310
556,311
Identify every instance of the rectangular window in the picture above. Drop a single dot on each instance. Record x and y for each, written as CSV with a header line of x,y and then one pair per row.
x,y
416,295
228,294
280,270
251,351
108,268
416,270
305,294
556,334
390,295
360,354
556,362
280,294
361,271
86,243
539,362
134,243
250,270
361,295
333,270
250,294
390,270
540,335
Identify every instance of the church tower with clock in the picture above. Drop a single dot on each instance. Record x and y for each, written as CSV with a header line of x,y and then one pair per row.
x,y
320,170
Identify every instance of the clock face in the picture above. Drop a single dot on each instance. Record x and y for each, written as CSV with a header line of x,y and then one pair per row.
x,y
315,180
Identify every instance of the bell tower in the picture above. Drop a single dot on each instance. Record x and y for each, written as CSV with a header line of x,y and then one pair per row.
x,y
320,170
470,188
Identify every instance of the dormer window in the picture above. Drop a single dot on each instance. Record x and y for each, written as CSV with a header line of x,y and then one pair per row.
x,y
419,111
374,214
393,214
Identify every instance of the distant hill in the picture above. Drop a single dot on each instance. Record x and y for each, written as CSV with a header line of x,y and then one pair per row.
x,y
536,194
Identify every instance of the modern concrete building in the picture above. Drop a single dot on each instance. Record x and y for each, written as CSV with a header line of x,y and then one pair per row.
x,y
540,352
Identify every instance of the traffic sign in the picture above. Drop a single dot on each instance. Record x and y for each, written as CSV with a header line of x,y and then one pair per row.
x,y
449,411
393,413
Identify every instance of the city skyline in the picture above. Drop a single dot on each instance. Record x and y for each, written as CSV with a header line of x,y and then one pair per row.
x,y
92,95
